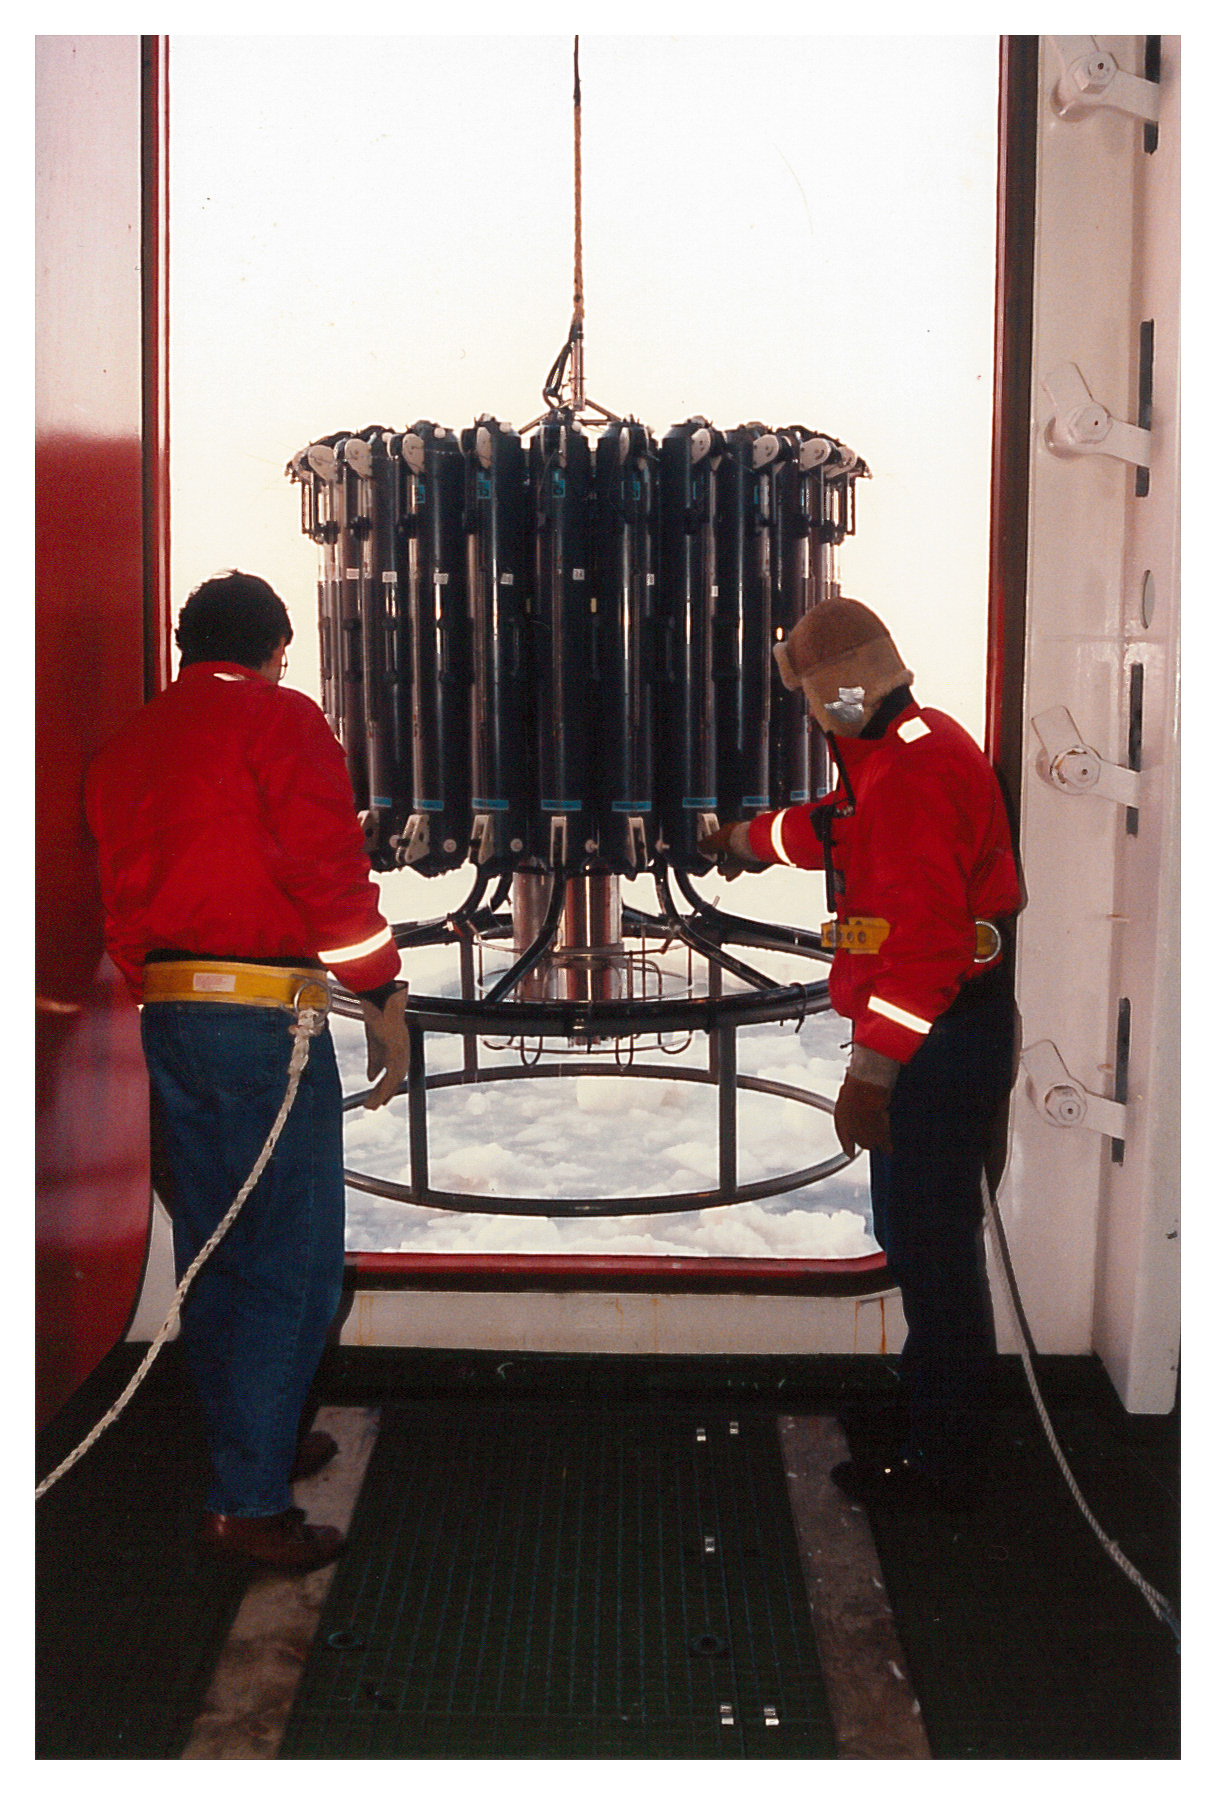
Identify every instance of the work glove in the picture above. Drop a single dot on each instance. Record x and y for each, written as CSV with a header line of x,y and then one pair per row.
x,y
388,1043
728,846
862,1116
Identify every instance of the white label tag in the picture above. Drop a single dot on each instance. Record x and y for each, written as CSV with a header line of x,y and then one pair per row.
x,y
215,981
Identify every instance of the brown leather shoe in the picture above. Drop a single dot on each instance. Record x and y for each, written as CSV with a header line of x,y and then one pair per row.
x,y
285,1541
312,1454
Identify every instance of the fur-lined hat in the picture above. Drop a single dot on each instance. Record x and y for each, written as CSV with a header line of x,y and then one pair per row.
x,y
843,658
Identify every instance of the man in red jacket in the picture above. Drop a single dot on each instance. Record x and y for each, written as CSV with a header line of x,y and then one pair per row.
x,y
233,876
915,846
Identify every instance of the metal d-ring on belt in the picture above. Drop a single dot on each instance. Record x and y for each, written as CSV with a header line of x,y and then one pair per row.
x,y
866,934
292,988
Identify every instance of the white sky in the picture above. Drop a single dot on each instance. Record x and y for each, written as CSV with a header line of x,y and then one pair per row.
x,y
792,229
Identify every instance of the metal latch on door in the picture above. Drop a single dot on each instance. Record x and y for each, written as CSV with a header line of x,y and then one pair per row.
x,y
1062,1100
1092,78
1070,765
1079,425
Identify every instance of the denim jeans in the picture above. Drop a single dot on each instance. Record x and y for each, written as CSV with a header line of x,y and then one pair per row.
x,y
928,1218
255,1319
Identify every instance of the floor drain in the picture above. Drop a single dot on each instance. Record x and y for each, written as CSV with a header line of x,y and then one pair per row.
x,y
708,1645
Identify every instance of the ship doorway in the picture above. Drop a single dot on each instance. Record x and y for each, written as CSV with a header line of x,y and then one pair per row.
x,y
833,262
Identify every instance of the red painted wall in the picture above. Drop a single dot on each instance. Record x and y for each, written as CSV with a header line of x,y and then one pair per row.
x,y
91,1126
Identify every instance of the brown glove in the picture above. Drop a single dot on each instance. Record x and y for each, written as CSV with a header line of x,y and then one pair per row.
x,y
728,846
716,842
388,1044
861,1116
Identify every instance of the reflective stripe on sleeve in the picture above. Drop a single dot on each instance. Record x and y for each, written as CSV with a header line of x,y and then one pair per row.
x,y
905,1018
777,831
339,956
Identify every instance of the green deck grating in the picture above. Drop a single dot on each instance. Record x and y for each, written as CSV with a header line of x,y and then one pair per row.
x,y
567,1580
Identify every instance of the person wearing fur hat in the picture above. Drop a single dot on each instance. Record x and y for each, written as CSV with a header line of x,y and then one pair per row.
x,y
915,846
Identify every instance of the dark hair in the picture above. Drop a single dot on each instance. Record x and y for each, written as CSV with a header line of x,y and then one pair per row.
x,y
234,617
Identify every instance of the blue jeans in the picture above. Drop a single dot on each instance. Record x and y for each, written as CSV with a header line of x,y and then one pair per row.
x,y
255,1319
928,1216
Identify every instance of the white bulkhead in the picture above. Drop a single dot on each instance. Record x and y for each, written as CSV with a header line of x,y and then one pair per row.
x,y
1094,1229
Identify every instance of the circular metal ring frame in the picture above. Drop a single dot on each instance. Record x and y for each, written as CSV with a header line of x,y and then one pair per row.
x,y
659,1204
718,1016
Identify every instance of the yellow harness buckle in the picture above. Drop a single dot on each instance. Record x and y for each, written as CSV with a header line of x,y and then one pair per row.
x,y
855,934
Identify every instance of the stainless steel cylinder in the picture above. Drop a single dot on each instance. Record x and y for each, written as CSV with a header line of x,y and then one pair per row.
x,y
587,960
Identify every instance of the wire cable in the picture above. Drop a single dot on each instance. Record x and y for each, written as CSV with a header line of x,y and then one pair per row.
x,y
1156,1601
578,200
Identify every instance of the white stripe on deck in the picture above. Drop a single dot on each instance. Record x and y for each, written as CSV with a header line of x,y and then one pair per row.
x,y
245,1711
875,1713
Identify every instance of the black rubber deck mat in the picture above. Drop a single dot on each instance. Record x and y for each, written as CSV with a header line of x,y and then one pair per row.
x,y
129,1621
567,1580
1023,1639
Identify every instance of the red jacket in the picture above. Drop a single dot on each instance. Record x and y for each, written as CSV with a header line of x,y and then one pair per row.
x,y
226,826
926,850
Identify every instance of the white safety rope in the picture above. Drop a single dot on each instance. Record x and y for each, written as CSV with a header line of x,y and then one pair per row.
x,y
309,1022
1156,1601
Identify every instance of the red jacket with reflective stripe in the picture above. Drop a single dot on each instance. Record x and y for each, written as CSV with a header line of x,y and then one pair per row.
x,y
226,826
928,850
